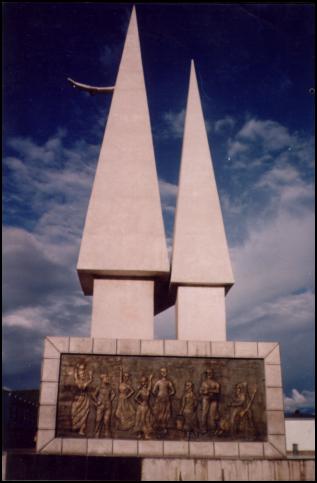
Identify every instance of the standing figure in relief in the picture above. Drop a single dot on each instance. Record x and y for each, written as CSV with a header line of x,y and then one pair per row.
x,y
81,403
102,398
188,409
241,419
125,412
144,419
163,391
209,392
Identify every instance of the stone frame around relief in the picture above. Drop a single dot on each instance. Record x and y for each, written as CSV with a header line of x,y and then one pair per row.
x,y
47,443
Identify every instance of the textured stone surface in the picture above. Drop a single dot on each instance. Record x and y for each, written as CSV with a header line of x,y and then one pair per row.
x,y
274,356
278,441
246,349
43,437
53,447
176,448
201,450
150,448
226,449
80,344
222,349
274,399
175,347
129,346
74,446
61,343
273,375
199,348
50,370
152,347
99,447
264,348
251,449
226,470
275,422
123,309
47,417
124,447
200,313
48,394
104,346
50,351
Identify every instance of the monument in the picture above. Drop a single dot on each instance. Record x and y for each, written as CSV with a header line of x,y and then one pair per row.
x,y
205,405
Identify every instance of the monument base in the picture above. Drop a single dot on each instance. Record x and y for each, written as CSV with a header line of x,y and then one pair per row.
x,y
31,466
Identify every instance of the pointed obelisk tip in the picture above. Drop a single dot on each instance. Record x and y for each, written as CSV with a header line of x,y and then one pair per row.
x,y
192,68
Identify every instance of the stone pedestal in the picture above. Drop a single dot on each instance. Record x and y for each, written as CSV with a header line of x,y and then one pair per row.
x,y
200,313
123,309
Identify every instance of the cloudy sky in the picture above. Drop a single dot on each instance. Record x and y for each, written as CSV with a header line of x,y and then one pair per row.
x,y
254,65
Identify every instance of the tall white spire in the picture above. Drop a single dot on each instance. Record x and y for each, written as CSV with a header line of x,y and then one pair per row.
x,y
200,250
201,267
124,232
123,250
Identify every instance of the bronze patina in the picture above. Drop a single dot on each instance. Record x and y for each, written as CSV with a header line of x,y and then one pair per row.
x,y
171,398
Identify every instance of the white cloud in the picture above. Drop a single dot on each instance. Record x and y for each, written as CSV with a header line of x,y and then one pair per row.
x,y
271,134
224,125
299,400
174,122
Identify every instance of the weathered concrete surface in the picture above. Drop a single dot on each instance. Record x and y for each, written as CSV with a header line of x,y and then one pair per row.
x,y
200,313
123,309
124,232
227,470
301,432
200,252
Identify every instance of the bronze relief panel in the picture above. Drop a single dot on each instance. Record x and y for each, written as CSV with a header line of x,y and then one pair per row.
x,y
157,397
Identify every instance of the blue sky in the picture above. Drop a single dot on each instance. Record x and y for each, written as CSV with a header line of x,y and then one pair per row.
x,y
254,65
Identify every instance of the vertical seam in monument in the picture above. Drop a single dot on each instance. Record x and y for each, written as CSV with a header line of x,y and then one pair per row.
x,y
116,346
164,347
239,455
93,345
257,349
234,349
187,351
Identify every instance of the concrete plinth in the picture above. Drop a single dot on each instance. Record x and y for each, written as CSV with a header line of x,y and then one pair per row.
x,y
123,309
227,470
203,304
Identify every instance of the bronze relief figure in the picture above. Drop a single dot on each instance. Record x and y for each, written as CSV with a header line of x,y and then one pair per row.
x,y
81,403
102,399
163,391
144,418
125,412
209,392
